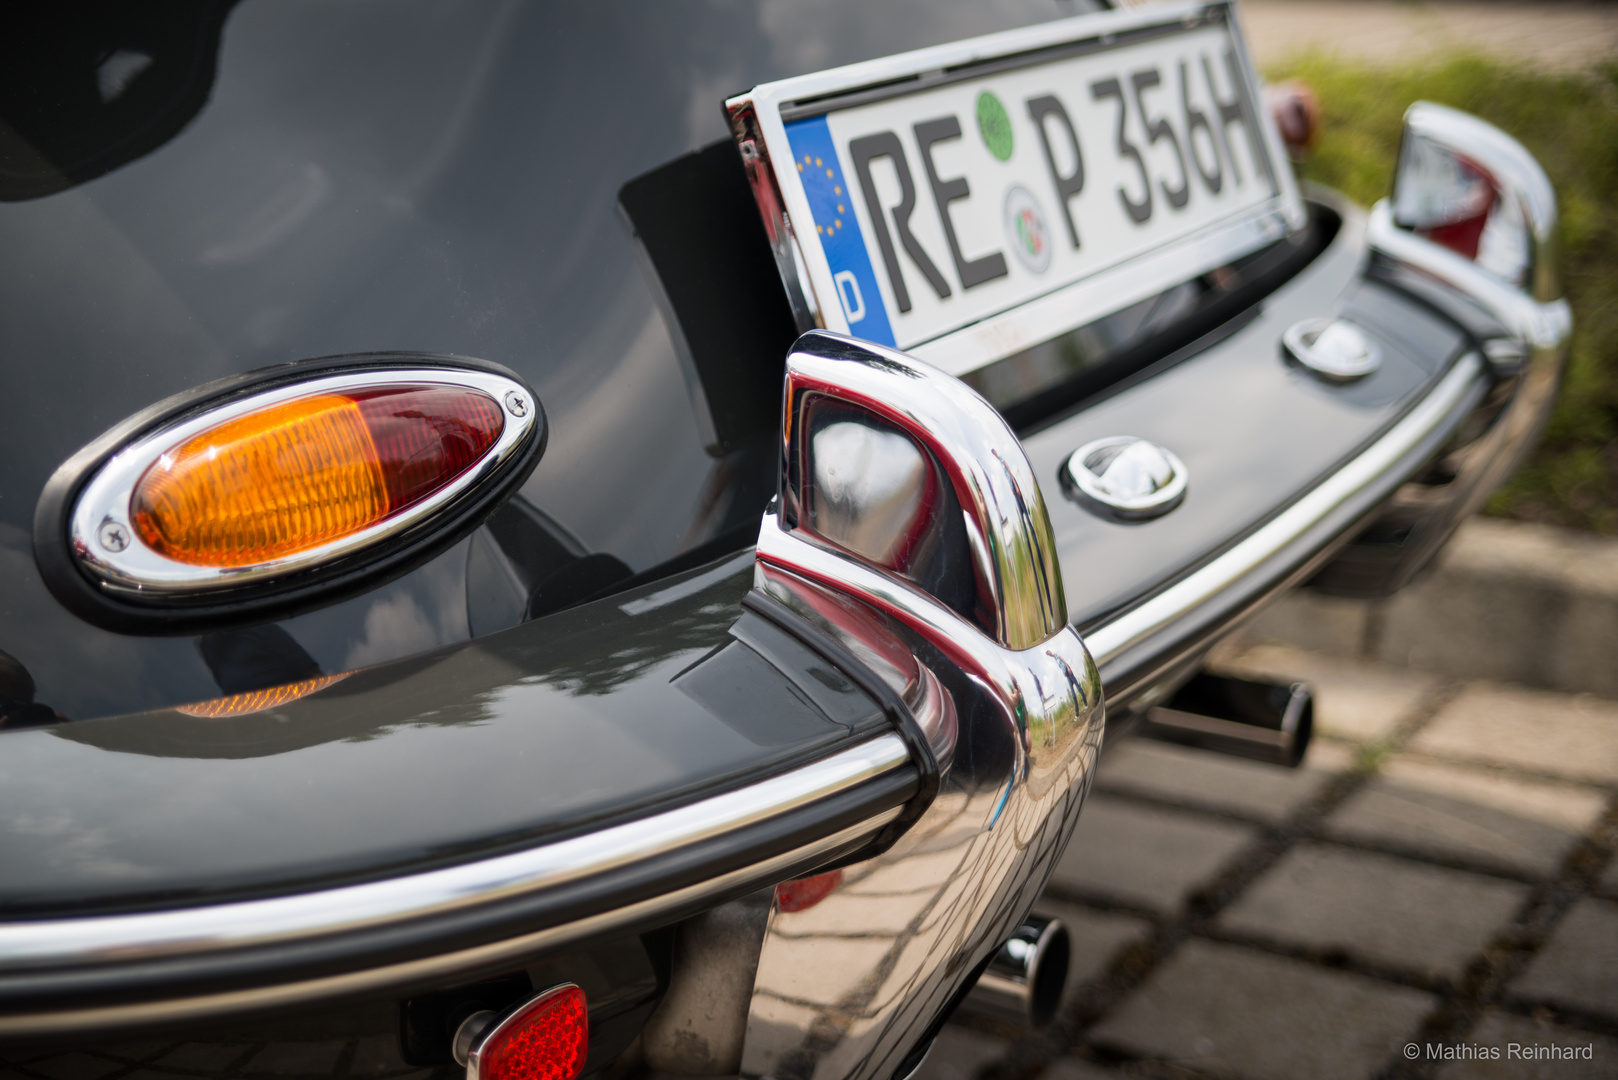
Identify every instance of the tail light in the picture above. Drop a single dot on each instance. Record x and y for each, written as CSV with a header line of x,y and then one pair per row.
x,y
278,488
294,477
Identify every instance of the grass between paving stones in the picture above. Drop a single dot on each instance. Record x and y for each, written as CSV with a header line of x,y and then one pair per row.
x,y
1570,123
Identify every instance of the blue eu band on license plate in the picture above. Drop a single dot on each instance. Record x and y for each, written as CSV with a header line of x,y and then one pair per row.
x,y
964,209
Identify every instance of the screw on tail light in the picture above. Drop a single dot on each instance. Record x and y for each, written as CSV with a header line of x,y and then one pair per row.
x,y
546,1038
271,492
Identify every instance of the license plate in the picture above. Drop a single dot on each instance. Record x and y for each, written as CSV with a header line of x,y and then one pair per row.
x,y
971,200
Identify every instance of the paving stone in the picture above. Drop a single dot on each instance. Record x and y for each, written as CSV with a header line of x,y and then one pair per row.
x,y
958,1053
1074,1069
1608,882
1578,966
1225,1010
1197,778
1306,620
1523,604
296,1059
1522,1050
1469,813
376,1055
206,1057
134,1052
74,1066
1354,700
1144,855
1571,735
1376,907
1096,936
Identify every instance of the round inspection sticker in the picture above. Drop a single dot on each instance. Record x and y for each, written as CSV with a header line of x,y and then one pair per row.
x,y
1026,231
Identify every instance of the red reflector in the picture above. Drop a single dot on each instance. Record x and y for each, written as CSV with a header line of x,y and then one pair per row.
x,y
806,892
546,1039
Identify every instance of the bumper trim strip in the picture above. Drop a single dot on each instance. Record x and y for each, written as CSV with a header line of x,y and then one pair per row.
x,y
1109,641
50,945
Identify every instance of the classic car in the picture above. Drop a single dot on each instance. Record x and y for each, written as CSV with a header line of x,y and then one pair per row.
x,y
579,538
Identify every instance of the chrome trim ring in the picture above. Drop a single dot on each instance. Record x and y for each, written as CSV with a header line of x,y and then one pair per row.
x,y
1347,357
1092,490
102,508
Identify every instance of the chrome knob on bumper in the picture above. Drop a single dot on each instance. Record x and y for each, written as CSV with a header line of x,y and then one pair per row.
x,y
958,563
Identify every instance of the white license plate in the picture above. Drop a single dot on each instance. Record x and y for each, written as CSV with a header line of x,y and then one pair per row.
x,y
969,200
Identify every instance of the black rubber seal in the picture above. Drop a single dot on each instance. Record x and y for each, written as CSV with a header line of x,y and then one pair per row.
x,y
127,611
840,657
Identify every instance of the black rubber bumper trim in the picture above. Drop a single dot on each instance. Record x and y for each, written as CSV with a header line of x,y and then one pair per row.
x,y
839,656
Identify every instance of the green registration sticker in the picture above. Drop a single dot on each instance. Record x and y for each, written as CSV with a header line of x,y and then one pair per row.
x,y
995,125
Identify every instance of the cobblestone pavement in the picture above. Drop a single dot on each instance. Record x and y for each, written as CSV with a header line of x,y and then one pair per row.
x,y
1439,873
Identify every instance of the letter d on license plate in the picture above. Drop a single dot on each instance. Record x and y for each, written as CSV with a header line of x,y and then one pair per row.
x,y
967,201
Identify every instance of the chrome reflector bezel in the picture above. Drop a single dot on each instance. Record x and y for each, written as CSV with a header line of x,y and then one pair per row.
x,y
105,501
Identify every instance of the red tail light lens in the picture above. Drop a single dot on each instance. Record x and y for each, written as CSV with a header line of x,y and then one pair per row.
x,y
546,1039
302,473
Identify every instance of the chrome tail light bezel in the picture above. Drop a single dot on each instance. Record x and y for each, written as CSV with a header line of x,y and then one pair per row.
x,y
137,590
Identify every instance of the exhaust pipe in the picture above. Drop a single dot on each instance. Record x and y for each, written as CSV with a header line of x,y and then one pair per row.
x,y
1265,721
1023,983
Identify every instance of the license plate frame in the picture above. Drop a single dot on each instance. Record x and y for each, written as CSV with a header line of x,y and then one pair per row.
x,y
821,273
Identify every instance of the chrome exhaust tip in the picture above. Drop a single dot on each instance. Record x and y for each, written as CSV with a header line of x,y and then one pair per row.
x,y
1265,721
1023,983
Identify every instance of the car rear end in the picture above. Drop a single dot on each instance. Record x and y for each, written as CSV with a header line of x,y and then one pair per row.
x,y
726,711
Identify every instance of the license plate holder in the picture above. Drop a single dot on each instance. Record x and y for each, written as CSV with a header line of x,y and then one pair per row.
x,y
971,200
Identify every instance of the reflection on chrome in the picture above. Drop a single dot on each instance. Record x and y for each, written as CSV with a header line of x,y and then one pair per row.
x,y
1470,187
1007,530
846,986
869,490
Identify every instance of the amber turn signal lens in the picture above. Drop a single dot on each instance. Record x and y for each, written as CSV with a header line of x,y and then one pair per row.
x,y
302,473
